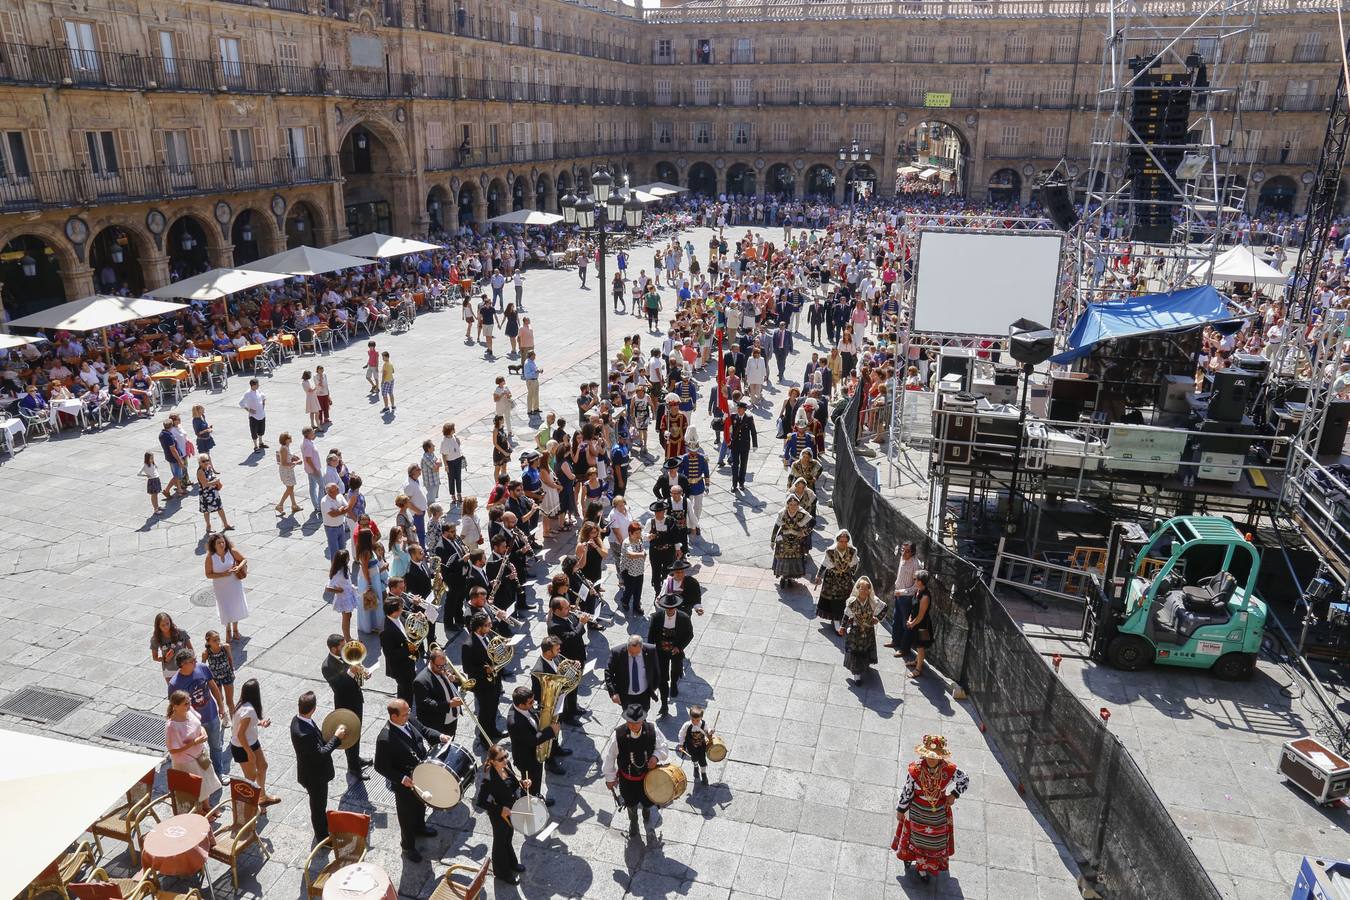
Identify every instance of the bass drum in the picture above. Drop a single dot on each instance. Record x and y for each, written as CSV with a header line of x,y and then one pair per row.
x,y
717,749
529,815
442,782
665,784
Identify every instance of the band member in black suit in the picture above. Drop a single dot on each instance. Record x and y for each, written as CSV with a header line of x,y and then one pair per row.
x,y
478,604
453,559
346,695
439,700
399,660
402,745
498,791
504,574
569,629
487,689
418,580
550,655
522,726
663,541
400,590
631,675
671,630
314,761
475,573
681,582
634,748
743,437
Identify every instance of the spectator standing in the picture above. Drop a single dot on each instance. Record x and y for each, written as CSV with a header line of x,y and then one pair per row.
x,y
530,371
254,402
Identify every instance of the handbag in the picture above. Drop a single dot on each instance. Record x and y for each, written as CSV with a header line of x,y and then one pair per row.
x,y
191,449
369,599
242,572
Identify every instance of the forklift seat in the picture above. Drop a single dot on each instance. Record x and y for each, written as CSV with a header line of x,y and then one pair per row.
x,y
1211,595
1175,620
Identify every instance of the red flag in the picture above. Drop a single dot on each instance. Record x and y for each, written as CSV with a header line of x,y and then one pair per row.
x,y
721,389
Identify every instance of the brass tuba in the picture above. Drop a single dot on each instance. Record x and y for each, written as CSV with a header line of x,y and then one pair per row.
x,y
552,685
353,653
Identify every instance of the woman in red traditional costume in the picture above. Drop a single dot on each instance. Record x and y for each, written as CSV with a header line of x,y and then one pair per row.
x,y
924,836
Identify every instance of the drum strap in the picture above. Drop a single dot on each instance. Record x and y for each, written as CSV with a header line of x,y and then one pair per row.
x,y
626,777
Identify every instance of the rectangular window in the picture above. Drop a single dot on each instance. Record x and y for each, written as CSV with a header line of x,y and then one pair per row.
x,y
83,46
543,84
1254,94
961,91
545,133
869,49
240,141
13,157
288,53
102,149
781,50
781,131
703,132
742,51
231,62
1258,47
1298,95
1011,137
520,141
1310,48
494,141
539,31
821,135
177,152
663,133
742,91
665,53
168,54
518,83
963,48
1017,48
1015,92
740,134
919,49
514,29
1063,48
661,91
1059,91
298,152
703,52
782,89
823,91
824,50
1054,140
702,92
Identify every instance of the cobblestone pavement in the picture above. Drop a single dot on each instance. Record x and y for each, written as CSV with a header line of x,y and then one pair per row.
x,y
804,804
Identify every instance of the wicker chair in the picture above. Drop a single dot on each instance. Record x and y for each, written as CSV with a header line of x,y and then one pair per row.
x,y
348,837
240,832
143,887
62,871
124,823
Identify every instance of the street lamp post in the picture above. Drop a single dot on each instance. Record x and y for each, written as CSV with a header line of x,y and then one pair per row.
x,y
593,215
854,155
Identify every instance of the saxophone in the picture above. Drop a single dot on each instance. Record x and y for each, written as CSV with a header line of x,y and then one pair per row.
x,y
437,584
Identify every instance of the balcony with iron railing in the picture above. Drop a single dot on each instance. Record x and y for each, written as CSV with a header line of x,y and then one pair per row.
x,y
448,158
83,187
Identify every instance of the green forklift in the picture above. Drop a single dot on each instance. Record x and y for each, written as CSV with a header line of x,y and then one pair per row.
x,y
1183,596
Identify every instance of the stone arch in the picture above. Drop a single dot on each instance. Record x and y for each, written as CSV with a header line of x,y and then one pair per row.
x,y
254,235
373,160
58,274
741,179
666,171
544,198
860,174
781,180
497,197
703,179
522,193
137,267
189,259
438,208
938,143
1278,193
304,222
1005,186
468,201
820,181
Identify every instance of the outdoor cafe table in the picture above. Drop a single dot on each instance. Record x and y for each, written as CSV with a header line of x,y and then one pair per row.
x,y
249,352
70,407
359,881
179,845
169,377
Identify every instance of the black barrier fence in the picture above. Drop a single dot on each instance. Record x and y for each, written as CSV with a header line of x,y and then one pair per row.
x,y
1061,752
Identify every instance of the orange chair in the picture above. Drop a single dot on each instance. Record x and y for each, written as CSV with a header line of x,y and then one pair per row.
x,y
124,823
143,887
348,836
184,789
233,837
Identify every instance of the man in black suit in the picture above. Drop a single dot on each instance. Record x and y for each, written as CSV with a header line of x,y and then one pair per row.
x,y
487,691
782,346
550,656
522,725
670,473
314,761
346,695
743,437
402,745
438,698
569,631
815,317
631,675
399,661
453,559
671,631
733,359
419,584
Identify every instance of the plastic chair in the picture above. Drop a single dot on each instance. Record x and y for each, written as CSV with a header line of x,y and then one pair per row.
x,y
218,374
263,364
35,423
62,871
348,837
306,338
233,837
324,339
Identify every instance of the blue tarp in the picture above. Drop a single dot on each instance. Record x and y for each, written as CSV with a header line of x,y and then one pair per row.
x,y
1136,316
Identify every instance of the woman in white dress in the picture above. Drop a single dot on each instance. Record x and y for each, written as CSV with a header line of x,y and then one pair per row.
x,y
227,567
312,405
756,374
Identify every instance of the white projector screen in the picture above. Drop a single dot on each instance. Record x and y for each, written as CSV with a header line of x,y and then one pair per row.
x,y
980,282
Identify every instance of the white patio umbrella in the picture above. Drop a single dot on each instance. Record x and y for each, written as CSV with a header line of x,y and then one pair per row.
x,y
661,189
380,246
10,341
55,788
216,283
307,261
97,313
526,217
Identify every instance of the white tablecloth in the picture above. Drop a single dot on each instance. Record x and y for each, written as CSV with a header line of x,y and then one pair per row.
x,y
70,407
11,428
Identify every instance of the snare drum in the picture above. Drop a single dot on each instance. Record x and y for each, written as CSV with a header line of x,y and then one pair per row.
x,y
529,815
665,784
445,779
717,749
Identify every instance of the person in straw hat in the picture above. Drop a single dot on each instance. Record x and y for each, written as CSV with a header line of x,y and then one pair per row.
x,y
924,836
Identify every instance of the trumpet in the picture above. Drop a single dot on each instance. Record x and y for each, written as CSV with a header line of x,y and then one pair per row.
x,y
353,654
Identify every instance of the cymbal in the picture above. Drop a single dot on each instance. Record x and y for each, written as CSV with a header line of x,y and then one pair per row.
x,y
342,717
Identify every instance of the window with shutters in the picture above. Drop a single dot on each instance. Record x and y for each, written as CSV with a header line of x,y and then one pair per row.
x,y
782,90
1054,140
663,133
661,91
1255,94
781,135
299,144
1300,95
862,133
961,91
231,59
539,31
781,50
664,53
514,27
702,92
1014,92
520,141
822,91
494,140
101,153
83,46
869,49
1258,47
239,145
543,84
703,132
824,50
919,48
963,48
866,92
1063,48
742,91
544,130
1310,47
1016,50
916,92
821,137
742,51
740,135
288,53
1059,91
1010,137
13,158
519,86
166,55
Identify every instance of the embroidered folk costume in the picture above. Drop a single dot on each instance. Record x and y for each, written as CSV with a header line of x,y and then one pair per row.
x,y
925,837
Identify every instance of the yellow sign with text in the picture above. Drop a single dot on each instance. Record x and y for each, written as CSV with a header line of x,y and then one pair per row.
x,y
933,100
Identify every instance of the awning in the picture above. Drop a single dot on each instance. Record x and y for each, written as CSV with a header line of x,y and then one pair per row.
x,y
526,217
928,174
661,189
1239,264
96,312
50,790
909,170
381,246
216,283
1175,311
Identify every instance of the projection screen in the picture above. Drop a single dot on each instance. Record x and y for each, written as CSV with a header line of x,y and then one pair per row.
x,y
980,282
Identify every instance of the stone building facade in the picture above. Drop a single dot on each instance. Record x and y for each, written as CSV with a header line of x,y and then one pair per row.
x,y
141,140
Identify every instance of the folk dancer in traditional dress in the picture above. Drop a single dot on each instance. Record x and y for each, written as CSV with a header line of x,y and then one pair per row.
x,y
788,541
836,578
924,836
695,737
695,473
680,582
859,630
673,424
806,467
671,630
634,748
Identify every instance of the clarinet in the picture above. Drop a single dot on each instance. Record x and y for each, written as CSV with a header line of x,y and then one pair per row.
x,y
492,594
595,592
